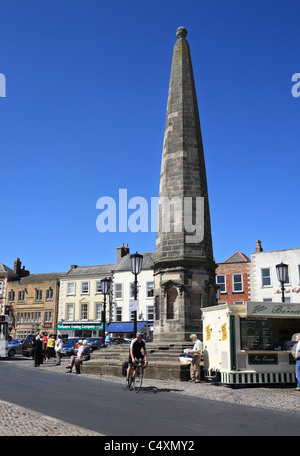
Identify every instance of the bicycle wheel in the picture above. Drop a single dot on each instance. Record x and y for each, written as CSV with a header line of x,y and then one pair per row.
x,y
138,380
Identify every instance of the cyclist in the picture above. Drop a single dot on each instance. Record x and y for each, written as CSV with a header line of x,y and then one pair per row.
x,y
135,353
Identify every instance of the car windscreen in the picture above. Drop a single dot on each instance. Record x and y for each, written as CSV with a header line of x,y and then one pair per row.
x,y
71,341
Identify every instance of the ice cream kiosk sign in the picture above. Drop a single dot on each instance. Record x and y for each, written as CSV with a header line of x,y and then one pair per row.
x,y
272,309
250,343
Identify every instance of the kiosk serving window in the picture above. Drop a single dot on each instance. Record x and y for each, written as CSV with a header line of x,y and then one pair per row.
x,y
268,333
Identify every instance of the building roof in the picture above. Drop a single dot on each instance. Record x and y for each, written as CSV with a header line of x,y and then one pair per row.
x,y
39,278
5,270
124,264
237,257
96,270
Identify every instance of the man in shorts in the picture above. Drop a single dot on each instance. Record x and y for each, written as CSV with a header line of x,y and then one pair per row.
x,y
135,353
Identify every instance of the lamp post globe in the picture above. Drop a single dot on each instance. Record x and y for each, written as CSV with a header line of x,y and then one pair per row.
x,y
136,267
105,287
282,270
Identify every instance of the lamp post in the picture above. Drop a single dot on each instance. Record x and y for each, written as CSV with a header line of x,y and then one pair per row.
x,y
136,267
105,287
282,274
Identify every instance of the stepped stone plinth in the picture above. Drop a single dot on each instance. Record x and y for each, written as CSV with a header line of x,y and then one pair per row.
x,y
163,361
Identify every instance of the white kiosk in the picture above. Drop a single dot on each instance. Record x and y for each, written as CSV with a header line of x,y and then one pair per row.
x,y
250,343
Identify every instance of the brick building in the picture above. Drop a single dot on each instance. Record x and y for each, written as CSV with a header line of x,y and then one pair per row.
x,y
33,303
233,278
7,275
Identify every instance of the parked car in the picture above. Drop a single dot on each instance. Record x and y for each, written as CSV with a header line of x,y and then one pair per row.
x,y
127,341
117,340
69,345
27,345
94,343
15,347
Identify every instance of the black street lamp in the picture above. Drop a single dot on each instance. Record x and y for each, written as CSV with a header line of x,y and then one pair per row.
x,y
105,287
282,274
136,267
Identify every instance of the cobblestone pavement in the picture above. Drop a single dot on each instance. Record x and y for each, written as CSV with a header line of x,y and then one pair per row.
x,y
18,421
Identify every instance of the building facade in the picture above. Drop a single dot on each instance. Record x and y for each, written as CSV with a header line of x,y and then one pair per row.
x,y
263,278
233,279
5,274
33,303
81,301
124,303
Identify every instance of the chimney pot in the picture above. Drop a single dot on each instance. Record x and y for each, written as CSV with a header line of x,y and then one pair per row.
x,y
122,251
258,248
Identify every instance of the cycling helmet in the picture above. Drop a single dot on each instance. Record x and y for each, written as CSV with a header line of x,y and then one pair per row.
x,y
140,334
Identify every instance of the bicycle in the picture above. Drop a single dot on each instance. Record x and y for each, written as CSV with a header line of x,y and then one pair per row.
x,y
136,378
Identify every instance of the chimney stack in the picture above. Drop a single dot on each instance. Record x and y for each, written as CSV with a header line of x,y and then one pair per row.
x,y
258,248
17,266
122,251
17,269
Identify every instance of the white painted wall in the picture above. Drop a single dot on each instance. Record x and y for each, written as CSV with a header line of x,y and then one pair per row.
x,y
270,259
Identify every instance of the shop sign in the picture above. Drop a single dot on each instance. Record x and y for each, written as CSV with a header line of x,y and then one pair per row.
x,y
207,328
272,309
224,332
78,327
134,305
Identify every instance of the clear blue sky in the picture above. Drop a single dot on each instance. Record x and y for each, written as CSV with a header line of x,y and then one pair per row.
x,y
84,114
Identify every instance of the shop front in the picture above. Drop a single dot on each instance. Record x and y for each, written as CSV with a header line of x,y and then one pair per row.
x,y
251,343
80,329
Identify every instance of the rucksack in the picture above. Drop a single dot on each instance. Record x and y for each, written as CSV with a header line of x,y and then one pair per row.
x,y
124,368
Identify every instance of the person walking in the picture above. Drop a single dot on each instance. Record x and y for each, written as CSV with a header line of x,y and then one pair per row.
x,y
297,356
50,347
45,342
37,351
58,349
195,364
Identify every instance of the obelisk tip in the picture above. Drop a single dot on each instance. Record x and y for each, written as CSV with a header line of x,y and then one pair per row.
x,y
181,32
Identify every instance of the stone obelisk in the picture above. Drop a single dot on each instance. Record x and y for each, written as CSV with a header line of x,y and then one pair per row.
x,y
184,268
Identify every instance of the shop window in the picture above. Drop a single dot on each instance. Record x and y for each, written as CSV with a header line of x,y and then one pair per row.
x,y
268,334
